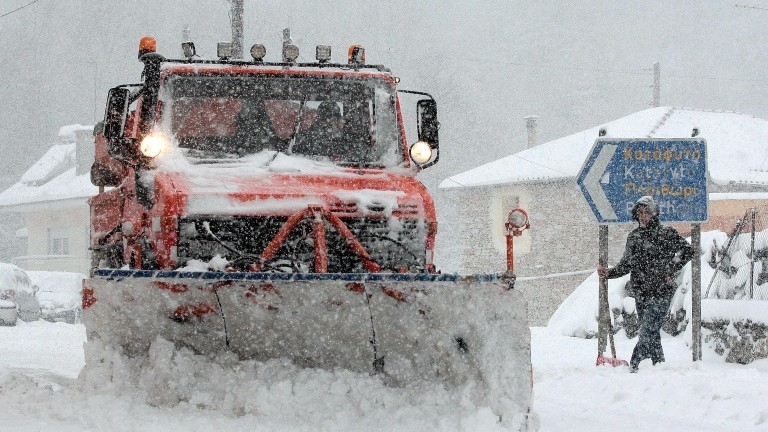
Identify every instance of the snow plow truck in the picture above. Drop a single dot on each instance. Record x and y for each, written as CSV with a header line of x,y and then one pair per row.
x,y
272,210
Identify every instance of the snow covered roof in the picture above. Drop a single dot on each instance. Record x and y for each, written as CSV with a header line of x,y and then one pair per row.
x,y
58,159
736,148
53,177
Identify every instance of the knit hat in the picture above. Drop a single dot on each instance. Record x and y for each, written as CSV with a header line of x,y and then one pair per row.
x,y
648,203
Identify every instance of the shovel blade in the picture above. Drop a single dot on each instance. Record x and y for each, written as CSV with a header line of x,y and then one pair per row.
x,y
601,360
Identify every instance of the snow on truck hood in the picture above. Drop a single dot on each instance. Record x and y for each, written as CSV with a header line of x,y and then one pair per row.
x,y
271,182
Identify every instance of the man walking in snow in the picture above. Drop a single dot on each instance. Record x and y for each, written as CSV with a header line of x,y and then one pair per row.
x,y
654,254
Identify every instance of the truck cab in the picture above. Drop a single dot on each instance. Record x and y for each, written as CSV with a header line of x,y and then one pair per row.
x,y
292,167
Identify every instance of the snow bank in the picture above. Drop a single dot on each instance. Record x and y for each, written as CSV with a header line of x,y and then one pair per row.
x,y
577,315
278,394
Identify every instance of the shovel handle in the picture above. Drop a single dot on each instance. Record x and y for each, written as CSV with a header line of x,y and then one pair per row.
x,y
610,335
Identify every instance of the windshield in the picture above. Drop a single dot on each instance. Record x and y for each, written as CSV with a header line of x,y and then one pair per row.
x,y
348,121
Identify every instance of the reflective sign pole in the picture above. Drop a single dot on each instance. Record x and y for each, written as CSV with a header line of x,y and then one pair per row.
x,y
517,222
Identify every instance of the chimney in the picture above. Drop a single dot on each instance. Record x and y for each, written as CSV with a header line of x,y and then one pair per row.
x,y
530,124
84,150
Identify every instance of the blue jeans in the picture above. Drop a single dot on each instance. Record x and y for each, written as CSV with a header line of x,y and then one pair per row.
x,y
651,313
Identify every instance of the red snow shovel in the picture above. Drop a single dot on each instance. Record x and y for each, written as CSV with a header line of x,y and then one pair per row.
x,y
601,359
605,317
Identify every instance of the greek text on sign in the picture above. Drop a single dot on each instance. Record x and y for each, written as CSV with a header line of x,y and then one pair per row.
x,y
673,171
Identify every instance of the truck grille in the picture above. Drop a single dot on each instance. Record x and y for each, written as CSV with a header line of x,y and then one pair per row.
x,y
395,243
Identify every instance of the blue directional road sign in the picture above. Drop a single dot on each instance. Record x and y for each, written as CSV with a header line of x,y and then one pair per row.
x,y
618,172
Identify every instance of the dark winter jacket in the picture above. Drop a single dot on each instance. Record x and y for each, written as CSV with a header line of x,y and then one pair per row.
x,y
652,253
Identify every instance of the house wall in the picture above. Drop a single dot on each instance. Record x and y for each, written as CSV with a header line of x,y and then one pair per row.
x,y
562,237
727,209
73,219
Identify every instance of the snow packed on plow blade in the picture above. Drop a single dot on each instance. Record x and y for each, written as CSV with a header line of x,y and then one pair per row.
x,y
467,332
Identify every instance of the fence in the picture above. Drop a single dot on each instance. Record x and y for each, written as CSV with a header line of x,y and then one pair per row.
x,y
740,263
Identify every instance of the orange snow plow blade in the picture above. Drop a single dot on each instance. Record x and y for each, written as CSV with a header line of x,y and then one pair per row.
x,y
467,332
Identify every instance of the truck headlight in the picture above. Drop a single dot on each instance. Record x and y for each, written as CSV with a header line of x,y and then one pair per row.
x,y
153,144
421,152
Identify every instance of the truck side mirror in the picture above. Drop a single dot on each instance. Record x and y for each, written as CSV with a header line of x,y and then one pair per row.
x,y
428,124
116,112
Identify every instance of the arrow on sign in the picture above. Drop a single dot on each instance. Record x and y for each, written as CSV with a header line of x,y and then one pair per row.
x,y
592,182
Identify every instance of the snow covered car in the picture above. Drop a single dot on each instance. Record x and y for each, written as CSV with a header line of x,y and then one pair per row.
x,y
7,312
59,295
16,288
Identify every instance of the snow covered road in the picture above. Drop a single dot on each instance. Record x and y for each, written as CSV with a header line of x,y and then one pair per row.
x,y
39,363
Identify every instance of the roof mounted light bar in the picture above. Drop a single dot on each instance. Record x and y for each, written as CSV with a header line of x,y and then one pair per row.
x,y
147,44
323,53
290,53
224,50
188,48
356,55
258,52
355,59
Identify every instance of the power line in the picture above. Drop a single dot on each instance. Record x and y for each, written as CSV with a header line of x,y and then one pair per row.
x,y
715,78
750,7
18,8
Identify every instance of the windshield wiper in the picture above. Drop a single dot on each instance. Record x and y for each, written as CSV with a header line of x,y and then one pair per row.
x,y
297,127
360,164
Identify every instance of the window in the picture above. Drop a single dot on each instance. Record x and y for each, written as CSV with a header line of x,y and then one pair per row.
x,y
222,117
58,241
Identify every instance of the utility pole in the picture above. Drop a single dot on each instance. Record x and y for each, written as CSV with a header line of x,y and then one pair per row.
x,y
96,112
656,84
237,29
286,41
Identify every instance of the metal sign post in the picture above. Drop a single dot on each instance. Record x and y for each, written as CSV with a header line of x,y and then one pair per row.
x,y
603,310
696,292
617,172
